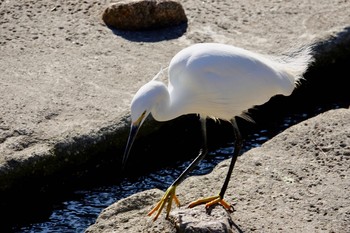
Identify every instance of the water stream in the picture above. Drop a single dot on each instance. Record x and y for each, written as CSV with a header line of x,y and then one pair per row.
x,y
81,208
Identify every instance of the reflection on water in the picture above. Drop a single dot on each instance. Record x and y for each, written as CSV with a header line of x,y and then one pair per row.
x,y
77,214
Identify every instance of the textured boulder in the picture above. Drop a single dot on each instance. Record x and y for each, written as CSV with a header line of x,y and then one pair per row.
x,y
144,14
296,182
195,220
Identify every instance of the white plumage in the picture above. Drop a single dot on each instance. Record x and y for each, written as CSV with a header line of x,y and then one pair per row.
x,y
218,81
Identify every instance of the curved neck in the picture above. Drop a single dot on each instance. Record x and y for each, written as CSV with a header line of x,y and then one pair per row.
x,y
166,107
162,111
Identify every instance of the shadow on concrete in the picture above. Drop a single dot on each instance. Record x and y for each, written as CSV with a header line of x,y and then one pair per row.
x,y
153,35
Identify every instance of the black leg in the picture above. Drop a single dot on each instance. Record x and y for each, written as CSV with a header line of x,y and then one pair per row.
x,y
170,195
201,155
237,148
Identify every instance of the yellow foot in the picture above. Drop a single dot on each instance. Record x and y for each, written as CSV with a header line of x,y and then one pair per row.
x,y
209,201
168,198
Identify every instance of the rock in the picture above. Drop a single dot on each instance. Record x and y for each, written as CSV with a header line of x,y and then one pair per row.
x,y
299,187
144,14
215,219
130,215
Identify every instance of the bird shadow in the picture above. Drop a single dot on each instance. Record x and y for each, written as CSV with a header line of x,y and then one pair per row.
x,y
236,226
152,35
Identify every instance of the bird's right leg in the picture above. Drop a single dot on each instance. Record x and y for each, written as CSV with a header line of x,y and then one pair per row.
x,y
170,195
167,198
209,201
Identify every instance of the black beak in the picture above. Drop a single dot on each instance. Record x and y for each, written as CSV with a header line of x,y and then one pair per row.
x,y
133,131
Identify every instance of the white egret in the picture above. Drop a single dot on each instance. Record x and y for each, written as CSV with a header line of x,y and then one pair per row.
x,y
219,81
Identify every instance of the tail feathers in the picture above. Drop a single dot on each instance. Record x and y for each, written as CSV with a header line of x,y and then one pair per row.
x,y
296,63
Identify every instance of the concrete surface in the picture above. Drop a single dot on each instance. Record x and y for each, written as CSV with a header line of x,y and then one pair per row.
x,y
66,80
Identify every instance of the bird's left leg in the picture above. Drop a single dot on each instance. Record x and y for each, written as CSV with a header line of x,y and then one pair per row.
x,y
170,195
209,201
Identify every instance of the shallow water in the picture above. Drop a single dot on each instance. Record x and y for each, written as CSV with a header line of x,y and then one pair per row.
x,y
82,208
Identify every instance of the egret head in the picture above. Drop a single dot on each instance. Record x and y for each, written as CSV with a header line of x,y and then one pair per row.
x,y
145,101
